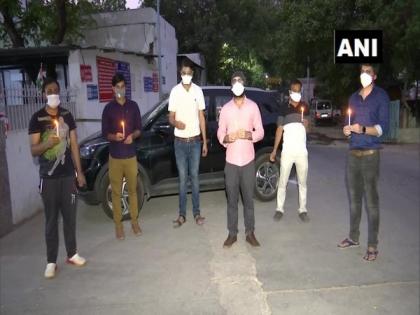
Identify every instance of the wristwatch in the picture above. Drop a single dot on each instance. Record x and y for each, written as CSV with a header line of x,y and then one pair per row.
x,y
363,129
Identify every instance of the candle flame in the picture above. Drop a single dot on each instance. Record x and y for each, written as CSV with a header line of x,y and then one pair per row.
x,y
57,126
349,111
122,122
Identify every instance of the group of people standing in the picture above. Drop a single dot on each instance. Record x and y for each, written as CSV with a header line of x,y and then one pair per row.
x,y
53,138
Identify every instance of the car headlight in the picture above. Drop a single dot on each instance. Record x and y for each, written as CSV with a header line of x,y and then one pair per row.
x,y
86,152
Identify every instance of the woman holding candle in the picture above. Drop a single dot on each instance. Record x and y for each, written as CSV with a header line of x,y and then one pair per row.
x,y
53,140
368,117
121,125
292,126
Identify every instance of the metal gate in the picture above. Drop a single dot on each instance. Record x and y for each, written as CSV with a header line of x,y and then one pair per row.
x,y
394,122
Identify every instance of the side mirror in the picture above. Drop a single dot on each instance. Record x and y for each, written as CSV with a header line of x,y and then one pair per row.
x,y
163,127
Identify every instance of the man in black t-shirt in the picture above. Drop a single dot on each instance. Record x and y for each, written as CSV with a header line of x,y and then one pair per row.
x,y
53,139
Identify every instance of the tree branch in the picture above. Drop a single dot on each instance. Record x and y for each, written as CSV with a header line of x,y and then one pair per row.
x,y
61,22
10,27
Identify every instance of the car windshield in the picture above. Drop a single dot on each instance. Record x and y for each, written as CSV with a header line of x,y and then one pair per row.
x,y
323,105
151,113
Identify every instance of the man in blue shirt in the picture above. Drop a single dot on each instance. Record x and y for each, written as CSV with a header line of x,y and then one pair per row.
x,y
369,118
121,125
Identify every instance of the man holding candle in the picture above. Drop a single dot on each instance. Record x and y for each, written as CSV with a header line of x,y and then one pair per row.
x,y
292,126
240,127
121,125
368,120
186,114
53,140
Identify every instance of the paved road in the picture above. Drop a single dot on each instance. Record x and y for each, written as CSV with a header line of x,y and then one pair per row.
x,y
298,269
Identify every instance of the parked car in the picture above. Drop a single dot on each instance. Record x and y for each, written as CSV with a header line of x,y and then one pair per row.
x,y
321,110
156,158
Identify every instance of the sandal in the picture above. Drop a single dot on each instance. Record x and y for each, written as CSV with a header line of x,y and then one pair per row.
x,y
180,221
199,219
346,243
371,255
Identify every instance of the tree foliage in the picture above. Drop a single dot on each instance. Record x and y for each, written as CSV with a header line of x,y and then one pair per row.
x,y
306,30
48,22
281,37
109,5
43,22
230,34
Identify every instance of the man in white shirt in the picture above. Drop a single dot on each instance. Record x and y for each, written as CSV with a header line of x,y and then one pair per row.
x,y
186,114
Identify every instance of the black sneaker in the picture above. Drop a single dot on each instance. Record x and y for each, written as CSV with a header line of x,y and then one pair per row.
x,y
278,215
303,216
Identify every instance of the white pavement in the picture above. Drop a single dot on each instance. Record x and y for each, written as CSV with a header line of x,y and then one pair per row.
x,y
297,270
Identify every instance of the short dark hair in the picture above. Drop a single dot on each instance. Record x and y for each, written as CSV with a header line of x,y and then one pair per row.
x,y
48,81
117,78
185,62
238,74
296,82
374,66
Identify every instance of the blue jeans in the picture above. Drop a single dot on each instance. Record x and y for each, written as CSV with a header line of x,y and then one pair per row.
x,y
187,156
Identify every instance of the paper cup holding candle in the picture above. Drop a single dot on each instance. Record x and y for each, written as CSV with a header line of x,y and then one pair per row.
x,y
123,128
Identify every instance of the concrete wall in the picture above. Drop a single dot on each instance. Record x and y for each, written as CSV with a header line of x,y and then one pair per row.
x,y
409,135
23,177
128,31
6,223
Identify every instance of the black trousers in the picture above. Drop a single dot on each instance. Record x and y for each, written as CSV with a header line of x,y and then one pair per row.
x,y
59,195
240,182
362,176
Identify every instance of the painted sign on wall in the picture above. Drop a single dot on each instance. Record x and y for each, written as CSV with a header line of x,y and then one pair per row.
x,y
86,73
92,92
106,70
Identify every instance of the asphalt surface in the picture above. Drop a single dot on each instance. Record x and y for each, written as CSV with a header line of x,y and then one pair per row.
x,y
297,270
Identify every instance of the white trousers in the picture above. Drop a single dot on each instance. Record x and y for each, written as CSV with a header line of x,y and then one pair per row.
x,y
286,163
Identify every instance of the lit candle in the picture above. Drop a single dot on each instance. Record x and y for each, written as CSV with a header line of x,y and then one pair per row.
x,y
56,127
301,109
349,113
123,128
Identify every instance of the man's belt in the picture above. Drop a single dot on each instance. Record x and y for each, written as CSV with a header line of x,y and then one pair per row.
x,y
360,153
190,139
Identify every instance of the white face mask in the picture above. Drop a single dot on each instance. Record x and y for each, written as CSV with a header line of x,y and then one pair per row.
x,y
365,79
238,89
295,96
53,100
186,79
120,93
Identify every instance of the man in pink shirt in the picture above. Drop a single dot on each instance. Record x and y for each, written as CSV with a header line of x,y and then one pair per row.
x,y
239,127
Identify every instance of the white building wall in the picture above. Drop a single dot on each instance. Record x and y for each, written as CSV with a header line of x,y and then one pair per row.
x,y
23,169
128,31
23,176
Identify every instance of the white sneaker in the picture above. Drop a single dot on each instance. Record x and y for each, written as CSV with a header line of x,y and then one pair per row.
x,y
50,270
76,260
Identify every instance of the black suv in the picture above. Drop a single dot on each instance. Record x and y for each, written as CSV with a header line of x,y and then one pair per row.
x,y
156,158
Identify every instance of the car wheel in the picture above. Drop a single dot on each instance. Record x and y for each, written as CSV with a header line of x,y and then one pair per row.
x,y
266,177
106,197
